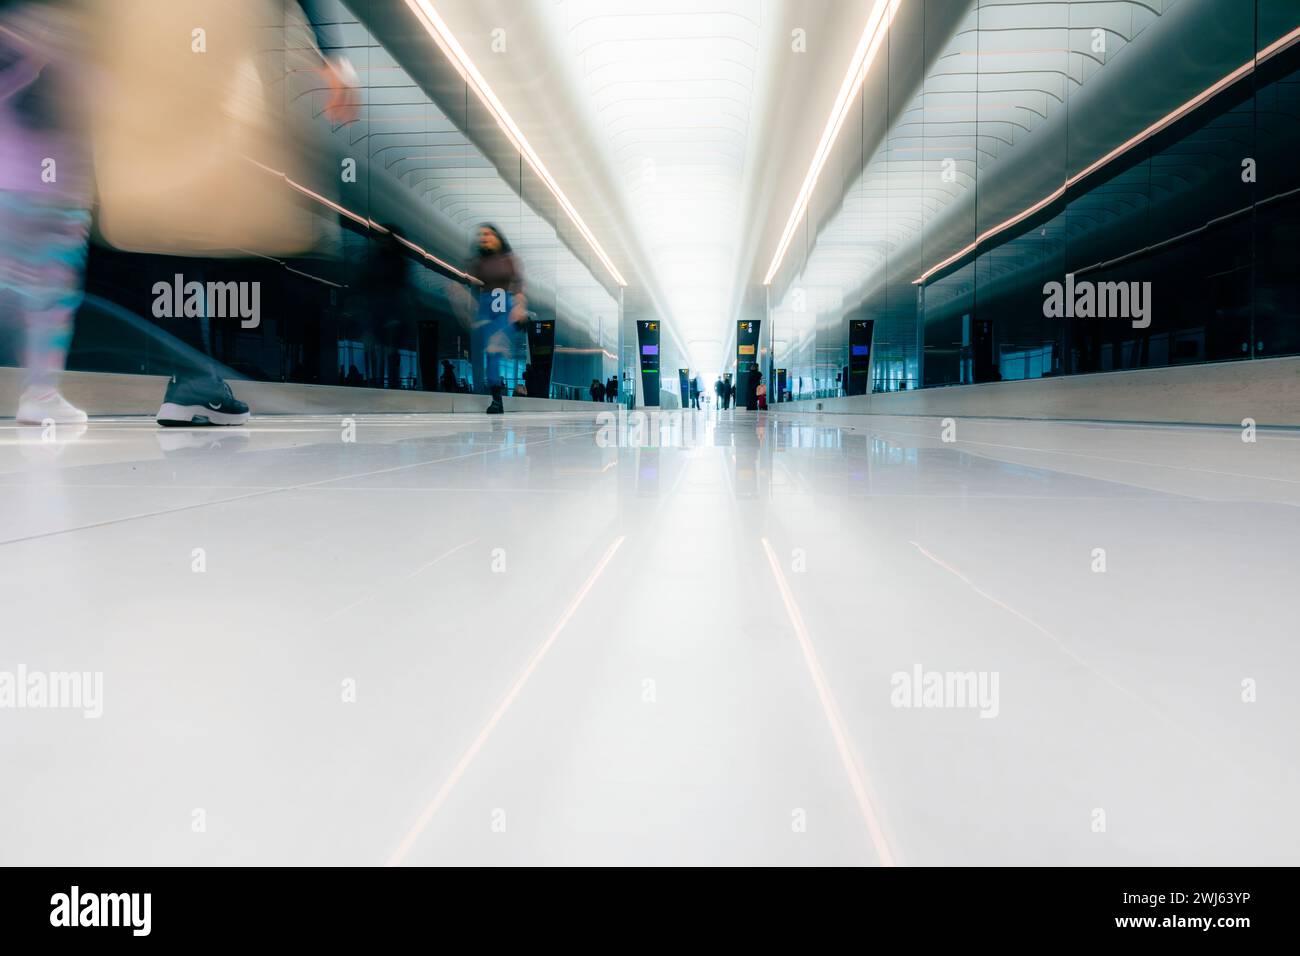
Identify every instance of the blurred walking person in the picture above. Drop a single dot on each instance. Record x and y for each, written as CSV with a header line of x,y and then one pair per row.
x,y
45,190
502,309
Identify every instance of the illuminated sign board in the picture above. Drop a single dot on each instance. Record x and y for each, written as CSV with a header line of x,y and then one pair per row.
x,y
647,336
860,332
541,357
746,361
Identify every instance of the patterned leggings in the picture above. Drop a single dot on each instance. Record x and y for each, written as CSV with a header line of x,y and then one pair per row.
x,y
42,260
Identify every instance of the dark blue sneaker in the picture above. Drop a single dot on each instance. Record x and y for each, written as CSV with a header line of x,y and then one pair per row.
x,y
201,401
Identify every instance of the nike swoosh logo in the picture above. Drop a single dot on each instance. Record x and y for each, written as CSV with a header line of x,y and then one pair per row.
x,y
216,407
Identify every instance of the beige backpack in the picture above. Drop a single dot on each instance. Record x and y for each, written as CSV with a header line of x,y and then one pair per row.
x,y
203,112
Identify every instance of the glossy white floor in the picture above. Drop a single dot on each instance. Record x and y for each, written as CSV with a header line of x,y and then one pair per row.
x,y
565,651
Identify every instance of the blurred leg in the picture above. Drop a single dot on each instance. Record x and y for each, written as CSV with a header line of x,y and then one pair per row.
x,y
48,337
43,253
492,361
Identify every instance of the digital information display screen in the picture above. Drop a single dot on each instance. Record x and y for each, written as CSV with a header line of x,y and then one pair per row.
x,y
746,349
747,362
647,334
860,332
541,357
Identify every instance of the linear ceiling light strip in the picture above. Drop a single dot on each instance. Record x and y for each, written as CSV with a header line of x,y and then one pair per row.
x,y
362,220
452,49
882,15
1197,101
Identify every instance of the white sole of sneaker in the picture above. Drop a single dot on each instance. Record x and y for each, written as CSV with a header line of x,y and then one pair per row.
x,y
173,414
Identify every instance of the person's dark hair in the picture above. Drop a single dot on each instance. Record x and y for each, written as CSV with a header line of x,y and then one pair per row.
x,y
505,245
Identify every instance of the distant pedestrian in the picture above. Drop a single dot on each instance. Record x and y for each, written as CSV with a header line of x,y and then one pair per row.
x,y
447,381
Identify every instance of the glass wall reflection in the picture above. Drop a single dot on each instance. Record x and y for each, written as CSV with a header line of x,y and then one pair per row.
x,y
991,153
